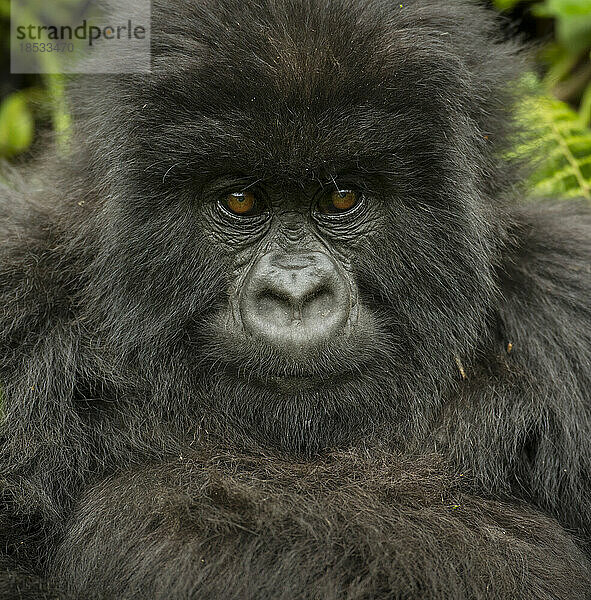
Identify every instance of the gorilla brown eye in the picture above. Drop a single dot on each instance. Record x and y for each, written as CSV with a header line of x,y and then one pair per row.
x,y
339,201
241,203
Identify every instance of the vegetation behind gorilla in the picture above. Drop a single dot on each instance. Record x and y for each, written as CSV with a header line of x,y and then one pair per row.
x,y
284,327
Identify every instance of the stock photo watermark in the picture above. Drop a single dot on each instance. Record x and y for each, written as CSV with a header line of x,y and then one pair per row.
x,y
80,36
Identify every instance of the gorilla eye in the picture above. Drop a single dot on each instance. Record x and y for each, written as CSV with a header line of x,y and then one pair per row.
x,y
339,201
243,204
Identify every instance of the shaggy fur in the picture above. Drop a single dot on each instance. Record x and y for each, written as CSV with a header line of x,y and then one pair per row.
x,y
441,451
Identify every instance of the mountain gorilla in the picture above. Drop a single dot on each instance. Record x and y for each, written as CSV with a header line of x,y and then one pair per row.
x,y
280,329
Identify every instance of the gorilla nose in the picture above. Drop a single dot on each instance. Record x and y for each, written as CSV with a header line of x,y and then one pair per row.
x,y
295,300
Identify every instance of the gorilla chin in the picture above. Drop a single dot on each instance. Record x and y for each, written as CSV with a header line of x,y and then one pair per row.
x,y
303,416
302,399
302,384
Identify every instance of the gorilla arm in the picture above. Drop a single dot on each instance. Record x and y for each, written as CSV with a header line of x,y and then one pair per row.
x,y
19,585
349,526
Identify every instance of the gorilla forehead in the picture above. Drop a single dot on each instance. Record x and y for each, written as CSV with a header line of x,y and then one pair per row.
x,y
281,89
299,86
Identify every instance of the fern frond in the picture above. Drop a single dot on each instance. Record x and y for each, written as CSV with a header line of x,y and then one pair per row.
x,y
561,145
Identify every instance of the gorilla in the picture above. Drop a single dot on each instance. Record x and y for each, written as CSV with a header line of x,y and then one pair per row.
x,y
281,325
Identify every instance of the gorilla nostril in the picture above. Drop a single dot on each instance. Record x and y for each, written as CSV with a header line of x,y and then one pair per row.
x,y
320,301
294,306
295,300
273,306
322,290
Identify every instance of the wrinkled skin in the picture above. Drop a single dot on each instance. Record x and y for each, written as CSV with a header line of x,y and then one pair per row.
x,y
282,326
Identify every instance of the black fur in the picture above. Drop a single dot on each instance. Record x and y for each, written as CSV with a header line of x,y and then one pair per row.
x,y
442,450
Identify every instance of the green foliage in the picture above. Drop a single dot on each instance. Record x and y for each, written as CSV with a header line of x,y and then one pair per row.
x,y
40,104
573,23
562,145
505,4
55,86
554,8
559,138
23,111
565,8
566,60
16,125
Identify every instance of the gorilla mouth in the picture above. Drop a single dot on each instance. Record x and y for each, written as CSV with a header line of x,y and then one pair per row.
x,y
257,361
287,384
265,367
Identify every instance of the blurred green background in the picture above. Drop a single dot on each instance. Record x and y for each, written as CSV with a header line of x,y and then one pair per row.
x,y
558,111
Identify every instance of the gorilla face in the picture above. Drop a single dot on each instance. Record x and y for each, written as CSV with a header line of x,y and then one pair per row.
x,y
301,223
292,334
293,294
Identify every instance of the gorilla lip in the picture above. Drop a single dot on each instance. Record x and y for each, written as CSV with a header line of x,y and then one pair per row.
x,y
291,383
253,358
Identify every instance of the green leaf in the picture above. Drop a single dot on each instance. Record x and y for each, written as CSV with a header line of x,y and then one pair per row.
x,y
562,145
16,125
585,108
574,33
564,8
505,4
561,63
